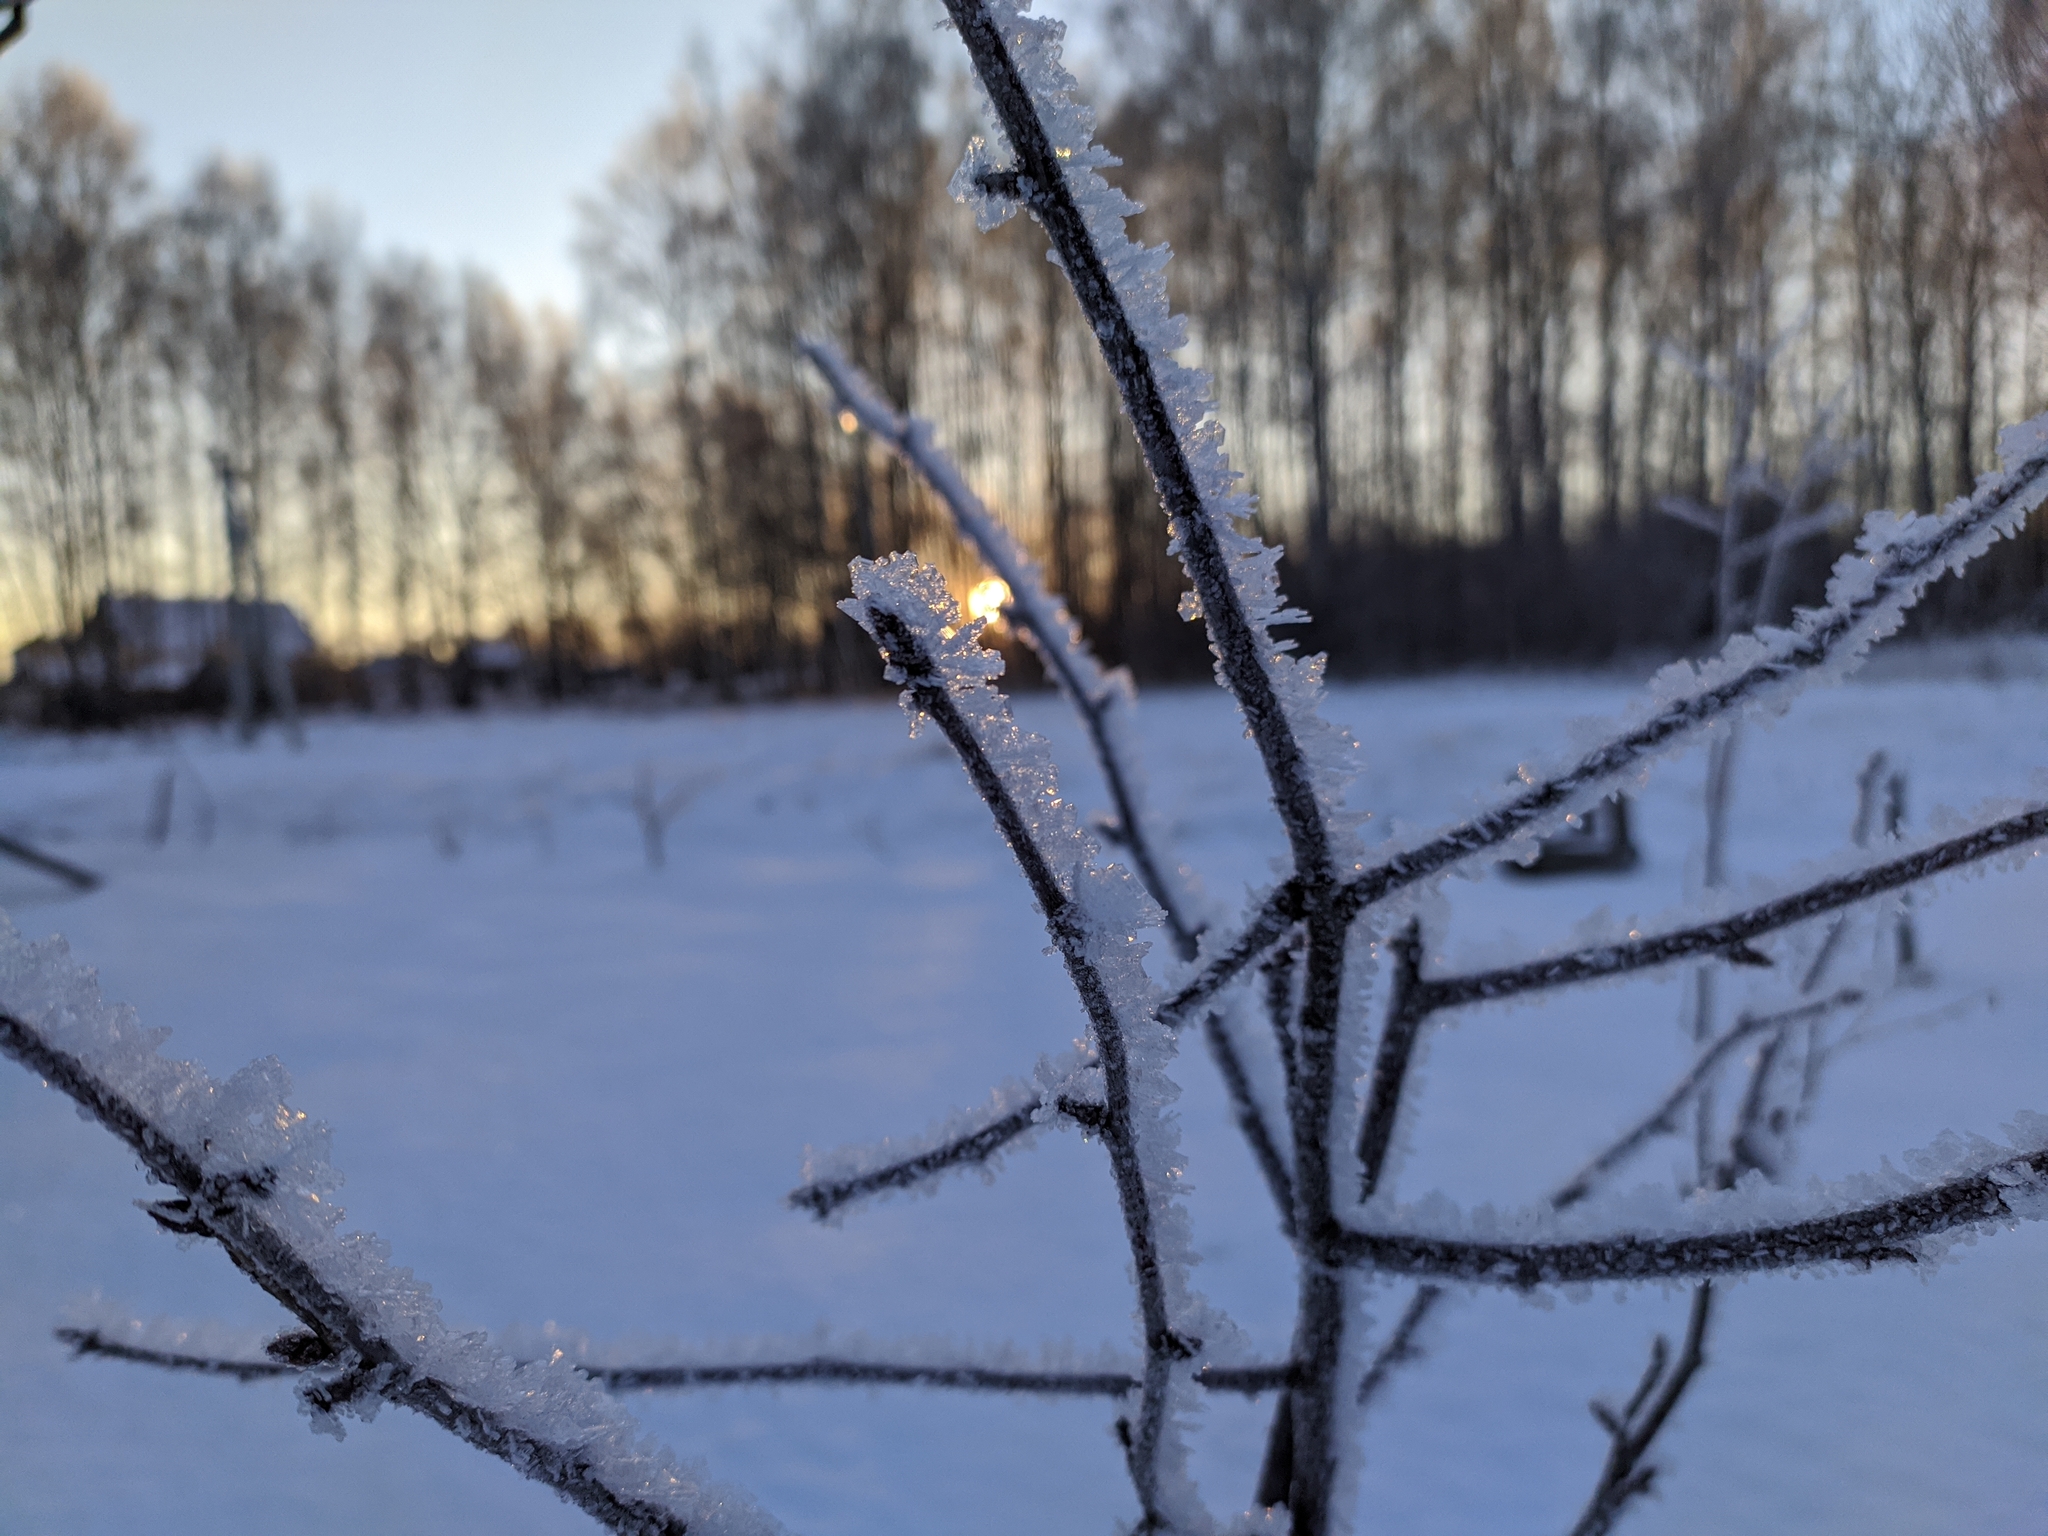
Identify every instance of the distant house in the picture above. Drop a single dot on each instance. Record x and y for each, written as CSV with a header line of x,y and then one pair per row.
x,y
148,649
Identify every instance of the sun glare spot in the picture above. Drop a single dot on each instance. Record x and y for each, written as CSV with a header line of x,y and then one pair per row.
x,y
849,423
987,599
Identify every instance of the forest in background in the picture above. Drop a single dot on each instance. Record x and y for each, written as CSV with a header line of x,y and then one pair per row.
x,y
1474,278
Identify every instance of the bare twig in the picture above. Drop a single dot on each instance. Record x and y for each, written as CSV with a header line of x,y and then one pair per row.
x,y
71,874
1400,1347
1626,1475
91,1341
1407,1011
289,1356
1663,1119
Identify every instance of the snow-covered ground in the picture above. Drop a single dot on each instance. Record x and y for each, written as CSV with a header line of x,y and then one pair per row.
x,y
569,1088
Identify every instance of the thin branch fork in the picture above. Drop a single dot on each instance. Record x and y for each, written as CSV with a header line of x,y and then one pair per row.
x,y
1664,1118
232,1213
1043,619
1280,912
1728,937
905,653
1242,650
1400,1345
1626,1475
1903,569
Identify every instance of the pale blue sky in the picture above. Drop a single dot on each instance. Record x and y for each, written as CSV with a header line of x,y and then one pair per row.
x,y
463,128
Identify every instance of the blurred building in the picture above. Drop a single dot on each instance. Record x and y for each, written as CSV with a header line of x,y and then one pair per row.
x,y
142,655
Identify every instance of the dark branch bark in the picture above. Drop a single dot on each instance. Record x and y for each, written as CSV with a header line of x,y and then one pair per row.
x,y
230,1211
827,1370
1407,1011
1400,1347
90,1341
1626,1476
1280,911
71,874
1887,1231
1731,934
821,1199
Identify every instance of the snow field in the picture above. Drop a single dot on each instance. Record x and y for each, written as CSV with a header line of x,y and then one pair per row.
x,y
565,1087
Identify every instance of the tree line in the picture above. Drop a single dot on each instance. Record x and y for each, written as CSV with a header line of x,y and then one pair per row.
x,y
1477,280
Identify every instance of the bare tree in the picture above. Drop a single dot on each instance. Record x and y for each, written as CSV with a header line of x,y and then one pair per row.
x,y
77,285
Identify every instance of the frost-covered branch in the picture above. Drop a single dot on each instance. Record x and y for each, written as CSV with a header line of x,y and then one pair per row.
x,y
967,1140
1280,912
1904,1228
251,1174
1872,588
1121,290
1101,699
1731,935
1092,916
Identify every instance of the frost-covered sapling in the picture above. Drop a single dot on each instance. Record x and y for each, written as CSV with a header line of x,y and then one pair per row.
x,y
1333,954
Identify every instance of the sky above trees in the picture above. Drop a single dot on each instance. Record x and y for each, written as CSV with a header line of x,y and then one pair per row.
x,y
460,128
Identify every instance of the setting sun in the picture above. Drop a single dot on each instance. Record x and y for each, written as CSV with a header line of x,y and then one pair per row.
x,y
987,599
